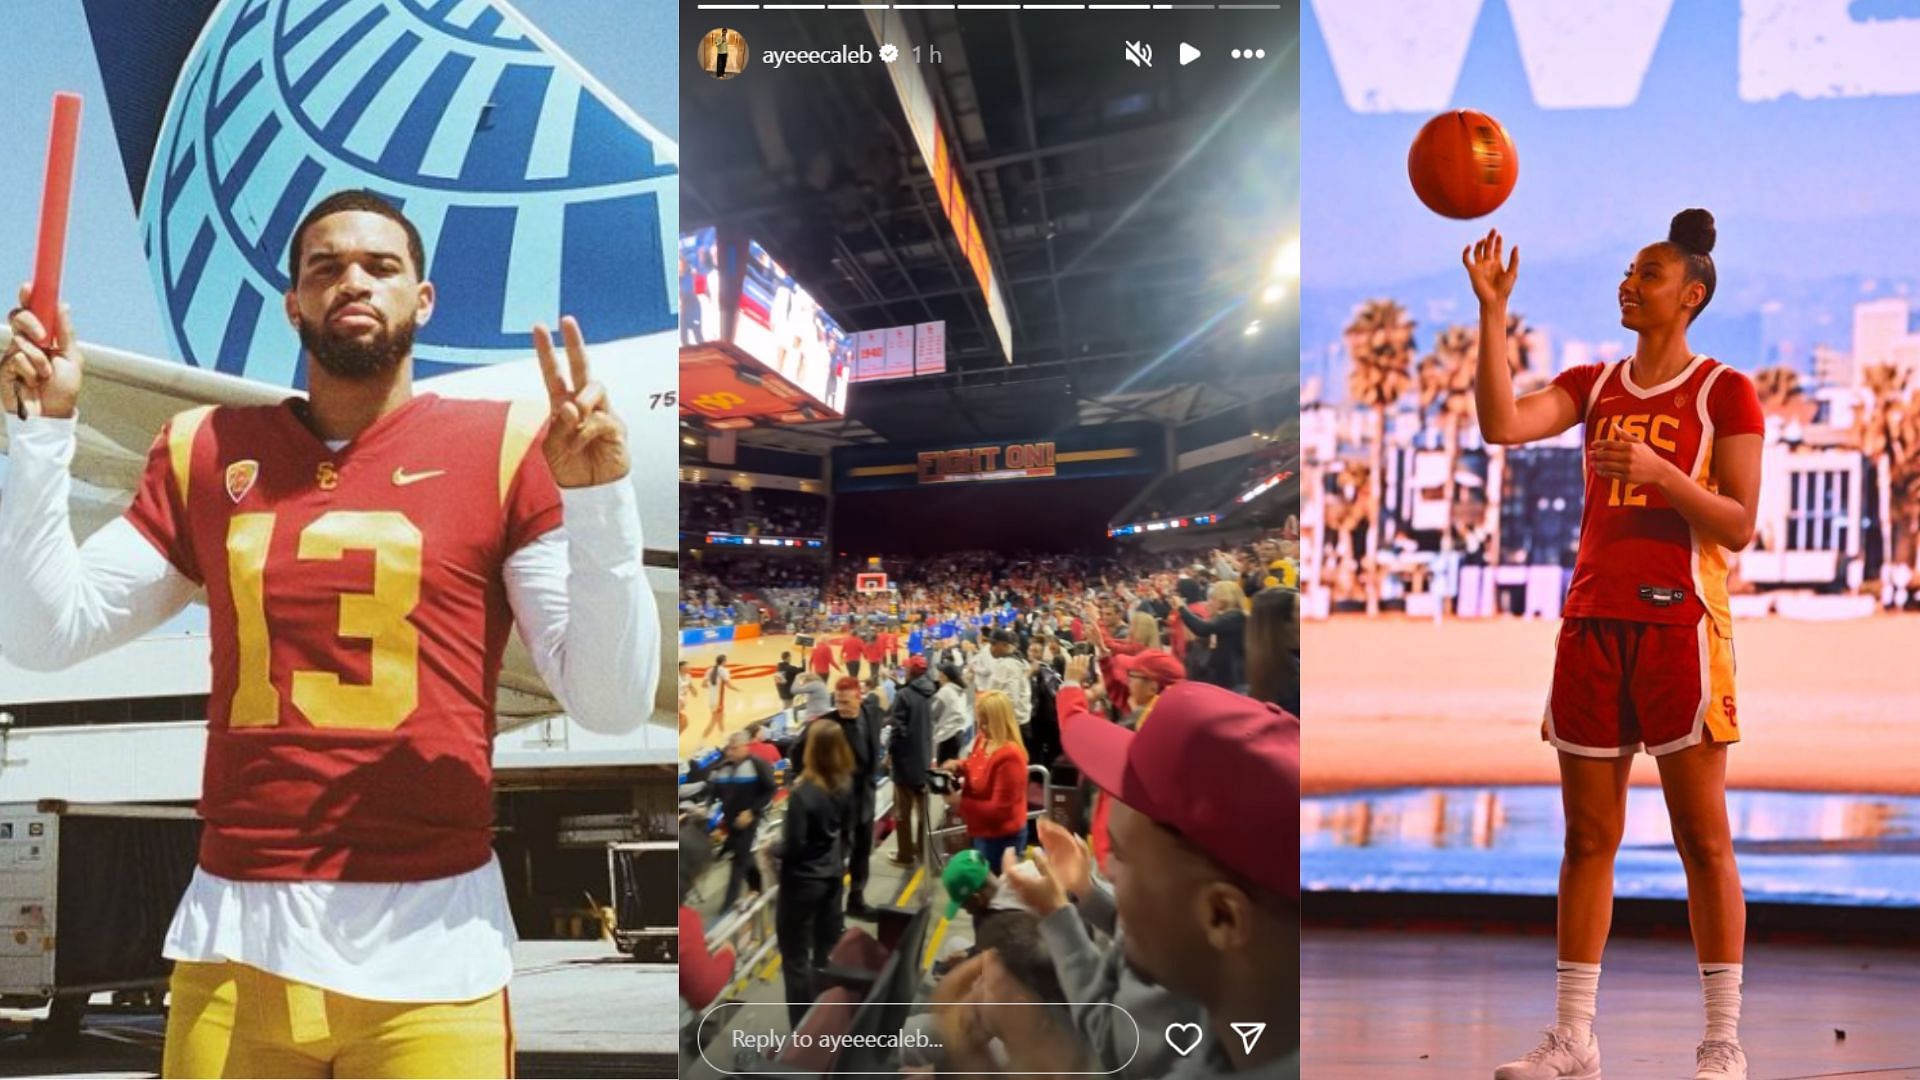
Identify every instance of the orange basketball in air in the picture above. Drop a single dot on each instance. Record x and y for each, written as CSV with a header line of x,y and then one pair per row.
x,y
1463,164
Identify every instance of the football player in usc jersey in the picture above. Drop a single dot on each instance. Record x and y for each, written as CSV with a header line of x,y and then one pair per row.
x,y
364,553
1645,654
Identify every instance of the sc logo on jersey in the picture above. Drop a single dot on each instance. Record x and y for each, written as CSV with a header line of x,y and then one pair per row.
x,y
1641,427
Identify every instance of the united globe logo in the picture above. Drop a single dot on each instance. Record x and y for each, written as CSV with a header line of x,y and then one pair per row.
x,y
534,196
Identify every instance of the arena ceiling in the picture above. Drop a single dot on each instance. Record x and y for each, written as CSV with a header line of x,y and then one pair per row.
x,y
1134,215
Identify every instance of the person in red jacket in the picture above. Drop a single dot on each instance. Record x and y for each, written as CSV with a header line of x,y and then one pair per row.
x,y
762,747
851,649
1147,674
1111,650
703,974
993,781
822,659
875,652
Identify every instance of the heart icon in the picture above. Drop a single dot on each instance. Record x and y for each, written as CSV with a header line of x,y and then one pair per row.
x,y
1183,1038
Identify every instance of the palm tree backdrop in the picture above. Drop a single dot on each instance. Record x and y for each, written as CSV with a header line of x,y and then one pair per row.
x,y
1446,393
1886,436
1380,346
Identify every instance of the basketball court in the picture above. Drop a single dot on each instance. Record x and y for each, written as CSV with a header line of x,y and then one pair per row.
x,y
754,666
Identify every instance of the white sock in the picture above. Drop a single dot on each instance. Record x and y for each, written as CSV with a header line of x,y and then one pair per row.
x,y
1721,982
1575,992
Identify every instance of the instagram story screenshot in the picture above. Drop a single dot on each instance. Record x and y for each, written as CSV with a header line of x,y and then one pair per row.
x,y
989,671
336,656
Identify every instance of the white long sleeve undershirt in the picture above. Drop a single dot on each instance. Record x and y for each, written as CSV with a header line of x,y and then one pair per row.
x,y
578,593
580,599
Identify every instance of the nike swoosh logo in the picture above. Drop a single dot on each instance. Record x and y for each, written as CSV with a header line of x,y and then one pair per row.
x,y
401,477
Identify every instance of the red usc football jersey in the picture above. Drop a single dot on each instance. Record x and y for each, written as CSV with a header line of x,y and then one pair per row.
x,y
359,613
1639,559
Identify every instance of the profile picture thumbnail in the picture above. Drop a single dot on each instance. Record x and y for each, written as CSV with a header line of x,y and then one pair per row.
x,y
723,53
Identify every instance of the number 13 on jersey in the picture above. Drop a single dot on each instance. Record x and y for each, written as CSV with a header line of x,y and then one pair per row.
x,y
379,617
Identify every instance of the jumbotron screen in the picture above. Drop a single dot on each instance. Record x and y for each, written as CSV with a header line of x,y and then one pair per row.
x,y
781,326
753,343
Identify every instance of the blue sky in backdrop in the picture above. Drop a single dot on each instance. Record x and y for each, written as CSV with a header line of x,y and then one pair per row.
x,y
1818,200
106,278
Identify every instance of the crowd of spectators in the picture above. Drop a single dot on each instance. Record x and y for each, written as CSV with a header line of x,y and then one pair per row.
x,y
751,512
1106,668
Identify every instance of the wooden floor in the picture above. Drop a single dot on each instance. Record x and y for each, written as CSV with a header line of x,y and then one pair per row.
x,y
1388,1004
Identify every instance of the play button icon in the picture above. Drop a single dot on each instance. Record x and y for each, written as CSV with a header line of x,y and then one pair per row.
x,y
1188,54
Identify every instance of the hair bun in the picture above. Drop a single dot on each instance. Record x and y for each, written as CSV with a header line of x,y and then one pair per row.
x,y
1692,232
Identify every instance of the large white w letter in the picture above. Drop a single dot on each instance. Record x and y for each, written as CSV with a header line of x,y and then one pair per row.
x,y
1814,48
1396,56
1587,56
1405,55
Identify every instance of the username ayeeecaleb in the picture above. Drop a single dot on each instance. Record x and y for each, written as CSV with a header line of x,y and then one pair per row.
x,y
845,54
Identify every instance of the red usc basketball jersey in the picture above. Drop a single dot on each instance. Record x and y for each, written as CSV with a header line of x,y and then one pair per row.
x,y
359,613
1639,559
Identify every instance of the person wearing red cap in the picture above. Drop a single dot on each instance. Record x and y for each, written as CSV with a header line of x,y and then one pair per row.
x,y
1208,911
911,750
1146,675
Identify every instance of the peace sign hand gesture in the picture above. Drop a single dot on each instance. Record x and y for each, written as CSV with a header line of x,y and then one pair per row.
x,y
586,443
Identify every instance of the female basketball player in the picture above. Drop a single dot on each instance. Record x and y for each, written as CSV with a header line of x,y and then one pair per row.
x,y
686,695
1645,655
719,681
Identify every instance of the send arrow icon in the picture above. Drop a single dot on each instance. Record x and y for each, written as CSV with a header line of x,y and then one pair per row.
x,y
1249,1034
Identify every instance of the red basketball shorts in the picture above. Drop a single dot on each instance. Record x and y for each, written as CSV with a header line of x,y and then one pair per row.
x,y
1620,687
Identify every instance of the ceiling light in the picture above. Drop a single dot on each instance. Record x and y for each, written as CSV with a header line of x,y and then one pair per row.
x,y
1286,265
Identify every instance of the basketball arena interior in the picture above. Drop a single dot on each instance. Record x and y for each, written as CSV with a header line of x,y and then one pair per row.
x,y
981,348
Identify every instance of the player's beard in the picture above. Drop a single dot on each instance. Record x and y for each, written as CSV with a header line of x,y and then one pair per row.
x,y
359,356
